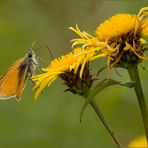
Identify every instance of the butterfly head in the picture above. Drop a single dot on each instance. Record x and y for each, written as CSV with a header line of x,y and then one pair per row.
x,y
30,56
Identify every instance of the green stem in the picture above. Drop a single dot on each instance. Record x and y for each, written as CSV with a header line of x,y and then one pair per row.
x,y
104,122
90,95
134,75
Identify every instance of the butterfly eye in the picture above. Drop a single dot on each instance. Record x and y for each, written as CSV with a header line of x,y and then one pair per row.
x,y
30,55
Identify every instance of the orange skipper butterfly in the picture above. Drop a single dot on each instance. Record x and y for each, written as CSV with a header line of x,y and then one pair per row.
x,y
13,81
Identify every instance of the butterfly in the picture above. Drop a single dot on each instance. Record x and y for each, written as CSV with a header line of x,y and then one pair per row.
x,y
13,81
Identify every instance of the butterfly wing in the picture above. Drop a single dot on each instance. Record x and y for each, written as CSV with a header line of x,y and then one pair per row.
x,y
11,84
22,79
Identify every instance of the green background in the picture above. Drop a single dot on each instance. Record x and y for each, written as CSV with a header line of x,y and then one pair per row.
x,y
53,120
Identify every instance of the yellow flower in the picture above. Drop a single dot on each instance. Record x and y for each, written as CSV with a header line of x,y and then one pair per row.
x,y
117,26
120,39
72,68
139,142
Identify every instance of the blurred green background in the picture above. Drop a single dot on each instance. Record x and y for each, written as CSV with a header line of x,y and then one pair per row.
x,y
53,120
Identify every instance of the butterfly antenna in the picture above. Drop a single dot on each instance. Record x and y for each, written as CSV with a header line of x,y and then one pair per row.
x,y
48,50
32,46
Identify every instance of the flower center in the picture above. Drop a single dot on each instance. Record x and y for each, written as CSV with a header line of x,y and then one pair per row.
x,y
76,84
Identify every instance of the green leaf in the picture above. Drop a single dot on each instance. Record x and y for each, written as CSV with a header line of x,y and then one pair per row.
x,y
99,87
128,84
